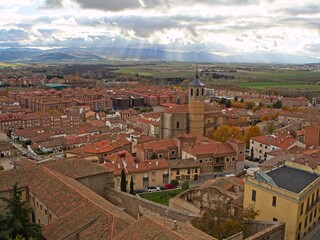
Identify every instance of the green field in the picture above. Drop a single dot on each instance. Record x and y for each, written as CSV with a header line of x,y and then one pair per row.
x,y
279,75
182,70
261,85
162,197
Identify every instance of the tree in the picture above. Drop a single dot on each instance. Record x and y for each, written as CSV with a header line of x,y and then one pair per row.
x,y
1,167
224,133
251,132
185,185
174,182
221,223
277,104
123,181
15,220
131,186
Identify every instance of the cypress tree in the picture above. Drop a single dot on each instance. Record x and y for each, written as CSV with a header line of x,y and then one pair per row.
x,y
131,186
123,181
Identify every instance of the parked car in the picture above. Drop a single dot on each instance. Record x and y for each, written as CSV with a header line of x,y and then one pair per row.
x,y
246,166
138,191
169,186
153,189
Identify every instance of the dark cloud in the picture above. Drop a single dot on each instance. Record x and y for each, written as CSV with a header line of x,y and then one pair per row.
x,y
306,10
53,4
119,5
13,35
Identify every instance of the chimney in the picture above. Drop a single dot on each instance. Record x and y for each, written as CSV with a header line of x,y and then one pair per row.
x,y
137,166
157,163
174,225
118,165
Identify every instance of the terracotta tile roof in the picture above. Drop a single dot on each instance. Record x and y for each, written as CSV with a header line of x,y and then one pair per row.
x,y
184,230
281,141
76,206
177,109
162,144
75,168
119,156
311,159
150,230
22,176
216,149
183,163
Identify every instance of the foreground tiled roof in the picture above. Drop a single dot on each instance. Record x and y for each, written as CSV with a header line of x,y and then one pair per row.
x,y
146,229
292,179
76,168
75,205
22,176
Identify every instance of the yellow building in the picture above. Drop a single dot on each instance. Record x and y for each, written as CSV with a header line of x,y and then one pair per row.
x,y
288,194
144,174
184,169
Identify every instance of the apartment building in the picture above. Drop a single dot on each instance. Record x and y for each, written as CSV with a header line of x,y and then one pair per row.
x,y
289,194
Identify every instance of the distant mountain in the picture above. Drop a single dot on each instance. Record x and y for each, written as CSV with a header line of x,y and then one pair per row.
x,y
100,54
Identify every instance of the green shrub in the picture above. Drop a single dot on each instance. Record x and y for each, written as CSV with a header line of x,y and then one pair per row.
x,y
185,185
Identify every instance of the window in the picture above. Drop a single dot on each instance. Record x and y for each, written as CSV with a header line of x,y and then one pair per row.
x,y
191,91
200,160
197,94
254,195
40,207
173,152
274,201
45,211
300,226
315,212
196,170
310,218
312,198
188,171
178,172
306,222
275,219
153,173
301,209
178,124
160,155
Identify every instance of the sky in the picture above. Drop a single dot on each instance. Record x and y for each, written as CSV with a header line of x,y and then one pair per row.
x,y
222,27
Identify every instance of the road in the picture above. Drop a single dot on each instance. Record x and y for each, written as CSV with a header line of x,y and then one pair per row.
x,y
24,150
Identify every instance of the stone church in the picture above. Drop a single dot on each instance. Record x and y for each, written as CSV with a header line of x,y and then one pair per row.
x,y
197,118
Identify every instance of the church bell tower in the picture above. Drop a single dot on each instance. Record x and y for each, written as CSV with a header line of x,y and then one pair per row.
x,y
196,106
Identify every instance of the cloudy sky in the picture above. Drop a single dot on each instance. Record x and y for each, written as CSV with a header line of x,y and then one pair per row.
x,y
217,26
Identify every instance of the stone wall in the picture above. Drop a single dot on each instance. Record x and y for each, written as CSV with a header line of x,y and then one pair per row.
x,y
98,182
137,206
260,230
